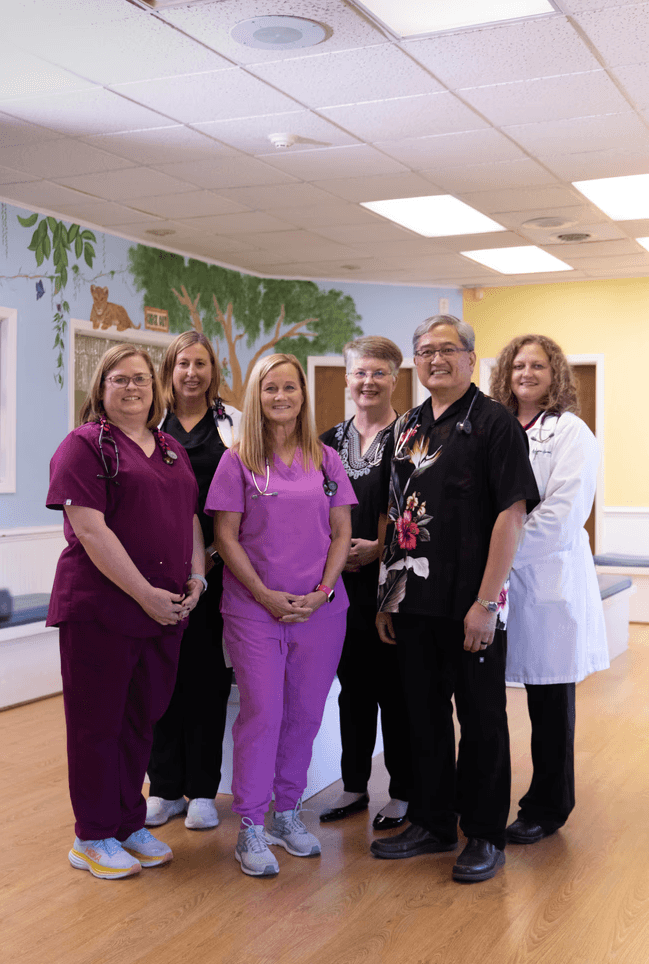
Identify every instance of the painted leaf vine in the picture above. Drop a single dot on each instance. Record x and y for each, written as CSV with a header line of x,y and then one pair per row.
x,y
51,238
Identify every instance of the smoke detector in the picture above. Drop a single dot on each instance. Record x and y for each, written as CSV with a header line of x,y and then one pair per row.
x,y
573,238
282,142
279,33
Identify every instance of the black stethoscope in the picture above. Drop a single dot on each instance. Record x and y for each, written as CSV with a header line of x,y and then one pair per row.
x,y
330,487
539,427
463,427
105,435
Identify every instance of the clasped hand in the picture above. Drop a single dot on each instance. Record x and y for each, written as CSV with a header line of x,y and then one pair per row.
x,y
170,608
287,607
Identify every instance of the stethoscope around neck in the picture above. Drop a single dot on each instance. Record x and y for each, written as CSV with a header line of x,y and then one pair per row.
x,y
330,487
465,425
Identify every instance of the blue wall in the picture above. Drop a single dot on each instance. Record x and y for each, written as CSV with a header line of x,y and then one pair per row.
x,y
42,416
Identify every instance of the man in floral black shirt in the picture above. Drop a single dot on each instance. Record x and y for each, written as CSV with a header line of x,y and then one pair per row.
x,y
457,484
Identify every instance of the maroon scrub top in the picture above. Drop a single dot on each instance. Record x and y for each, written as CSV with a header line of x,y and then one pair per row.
x,y
150,512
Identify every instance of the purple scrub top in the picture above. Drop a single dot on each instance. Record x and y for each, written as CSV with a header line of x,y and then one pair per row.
x,y
150,512
286,536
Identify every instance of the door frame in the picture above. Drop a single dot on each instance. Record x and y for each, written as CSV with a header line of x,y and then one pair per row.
x,y
337,361
486,367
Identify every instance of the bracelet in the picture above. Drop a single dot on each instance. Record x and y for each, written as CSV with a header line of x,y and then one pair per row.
x,y
202,579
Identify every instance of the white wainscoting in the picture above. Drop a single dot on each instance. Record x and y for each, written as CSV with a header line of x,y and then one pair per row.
x,y
626,532
28,558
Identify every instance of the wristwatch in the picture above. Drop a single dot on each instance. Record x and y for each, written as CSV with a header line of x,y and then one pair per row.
x,y
214,554
329,593
201,579
491,607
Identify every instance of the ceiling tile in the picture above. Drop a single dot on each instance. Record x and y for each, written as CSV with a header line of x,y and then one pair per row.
x,y
521,199
481,177
15,132
215,95
95,111
452,150
349,76
105,213
62,157
246,222
493,55
332,213
593,249
547,99
226,172
635,80
406,117
361,234
335,162
620,35
579,6
378,188
212,23
280,195
42,194
614,262
582,134
50,16
251,134
133,182
615,162
572,214
168,144
7,176
280,245
190,204
24,75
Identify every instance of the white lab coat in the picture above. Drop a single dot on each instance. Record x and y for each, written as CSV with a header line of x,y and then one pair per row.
x,y
556,631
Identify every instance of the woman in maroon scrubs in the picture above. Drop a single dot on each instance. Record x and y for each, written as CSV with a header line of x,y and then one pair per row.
x,y
124,586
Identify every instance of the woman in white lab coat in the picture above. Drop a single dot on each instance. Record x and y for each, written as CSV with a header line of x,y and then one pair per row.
x,y
555,631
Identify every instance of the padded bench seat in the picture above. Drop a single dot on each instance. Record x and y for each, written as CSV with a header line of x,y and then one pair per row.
x,y
31,608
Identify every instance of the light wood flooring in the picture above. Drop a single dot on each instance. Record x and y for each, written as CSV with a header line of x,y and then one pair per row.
x,y
579,897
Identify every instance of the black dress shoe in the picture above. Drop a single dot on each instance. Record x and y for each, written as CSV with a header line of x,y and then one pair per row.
x,y
526,832
381,822
412,841
478,861
339,813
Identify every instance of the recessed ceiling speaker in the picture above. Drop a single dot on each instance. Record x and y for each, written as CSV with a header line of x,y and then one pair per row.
x,y
279,33
544,224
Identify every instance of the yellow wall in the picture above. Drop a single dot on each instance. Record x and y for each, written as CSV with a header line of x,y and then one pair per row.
x,y
594,317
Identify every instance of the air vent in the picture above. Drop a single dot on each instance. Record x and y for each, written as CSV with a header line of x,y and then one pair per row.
x,y
159,232
574,238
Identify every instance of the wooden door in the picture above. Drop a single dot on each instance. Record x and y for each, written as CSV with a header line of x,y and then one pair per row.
x,y
329,401
585,376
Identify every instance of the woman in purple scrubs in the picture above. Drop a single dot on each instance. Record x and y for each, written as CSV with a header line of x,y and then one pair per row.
x,y
130,575
282,502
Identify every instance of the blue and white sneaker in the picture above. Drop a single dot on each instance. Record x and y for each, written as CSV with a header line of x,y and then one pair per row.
x,y
159,810
252,851
150,851
288,831
105,859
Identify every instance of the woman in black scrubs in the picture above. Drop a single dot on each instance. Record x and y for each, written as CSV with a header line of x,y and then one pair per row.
x,y
187,743
368,669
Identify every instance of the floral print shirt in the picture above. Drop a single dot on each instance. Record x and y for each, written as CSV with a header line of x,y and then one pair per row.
x,y
444,489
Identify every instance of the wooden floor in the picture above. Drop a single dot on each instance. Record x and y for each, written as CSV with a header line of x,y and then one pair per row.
x,y
579,897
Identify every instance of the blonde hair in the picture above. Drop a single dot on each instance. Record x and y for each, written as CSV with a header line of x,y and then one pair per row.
x,y
255,445
373,346
562,394
93,407
186,340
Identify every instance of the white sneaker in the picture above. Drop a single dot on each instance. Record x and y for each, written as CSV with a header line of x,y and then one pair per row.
x,y
252,853
201,814
150,851
158,810
288,831
106,859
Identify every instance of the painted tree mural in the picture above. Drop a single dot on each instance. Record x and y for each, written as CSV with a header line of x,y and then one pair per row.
x,y
230,307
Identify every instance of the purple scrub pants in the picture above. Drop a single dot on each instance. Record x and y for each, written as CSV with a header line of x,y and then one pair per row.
x,y
114,689
284,672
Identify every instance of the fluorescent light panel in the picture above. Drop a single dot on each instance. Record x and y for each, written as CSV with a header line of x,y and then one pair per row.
x,y
621,198
527,259
436,216
414,18
644,242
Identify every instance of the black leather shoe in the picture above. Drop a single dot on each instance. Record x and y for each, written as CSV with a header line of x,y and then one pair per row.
x,y
339,813
412,841
526,832
478,861
381,822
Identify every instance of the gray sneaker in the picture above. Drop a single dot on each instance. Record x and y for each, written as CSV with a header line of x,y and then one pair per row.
x,y
288,831
252,852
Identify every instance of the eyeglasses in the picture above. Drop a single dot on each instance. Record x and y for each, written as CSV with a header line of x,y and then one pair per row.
x,y
377,376
428,354
121,381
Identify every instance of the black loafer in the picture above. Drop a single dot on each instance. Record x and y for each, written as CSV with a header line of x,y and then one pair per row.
x,y
478,861
414,840
339,813
526,832
381,822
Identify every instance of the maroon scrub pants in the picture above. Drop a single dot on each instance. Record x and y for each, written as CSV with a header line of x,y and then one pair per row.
x,y
114,689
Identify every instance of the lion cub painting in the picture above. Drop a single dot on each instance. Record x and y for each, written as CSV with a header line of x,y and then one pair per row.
x,y
104,313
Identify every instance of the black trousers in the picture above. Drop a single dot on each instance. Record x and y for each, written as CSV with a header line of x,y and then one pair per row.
x,y
188,740
551,796
436,667
369,678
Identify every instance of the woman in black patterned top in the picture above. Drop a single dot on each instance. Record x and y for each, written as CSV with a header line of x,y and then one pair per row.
x,y
368,669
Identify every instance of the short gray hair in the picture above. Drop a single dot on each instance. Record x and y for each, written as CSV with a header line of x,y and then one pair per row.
x,y
464,330
373,346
